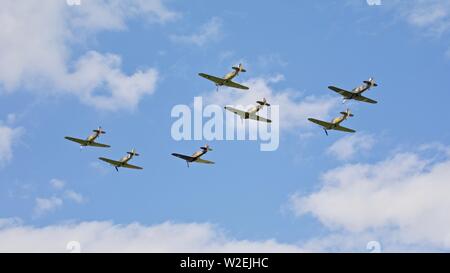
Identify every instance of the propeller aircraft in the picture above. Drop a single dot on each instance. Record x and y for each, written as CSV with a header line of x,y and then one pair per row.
x,y
196,156
356,93
335,123
227,79
90,140
251,113
123,162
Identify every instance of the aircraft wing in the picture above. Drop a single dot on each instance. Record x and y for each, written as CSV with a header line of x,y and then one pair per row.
x,y
199,160
236,111
129,166
321,123
343,129
364,99
95,144
185,157
77,140
235,85
212,78
345,93
110,161
258,118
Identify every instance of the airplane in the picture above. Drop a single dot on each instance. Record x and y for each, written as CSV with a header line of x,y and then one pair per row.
x,y
251,113
356,93
227,79
196,156
90,140
335,123
123,162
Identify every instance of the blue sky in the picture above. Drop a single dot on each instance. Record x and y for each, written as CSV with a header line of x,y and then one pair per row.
x,y
69,80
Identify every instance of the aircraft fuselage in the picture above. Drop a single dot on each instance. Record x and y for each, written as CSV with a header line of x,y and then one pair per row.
x,y
198,154
231,75
361,89
126,158
93,137
338,120
255,109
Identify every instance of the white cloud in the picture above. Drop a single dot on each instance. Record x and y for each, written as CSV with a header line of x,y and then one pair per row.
x,y
402,200
57,183
50,204
74,196
211,31
36,41
97,72
430,15
45,205
294,109
348,146
112,14
8,137
107,237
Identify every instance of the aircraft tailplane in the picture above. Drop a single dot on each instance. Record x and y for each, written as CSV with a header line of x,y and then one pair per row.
x,y
240,68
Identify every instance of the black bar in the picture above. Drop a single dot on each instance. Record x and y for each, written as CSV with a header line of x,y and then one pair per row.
x,y
224,262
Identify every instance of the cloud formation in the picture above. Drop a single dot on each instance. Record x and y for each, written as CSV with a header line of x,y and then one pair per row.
x,y
37,39
347,147
105,236
210,31
432,15
44,205
403,200
8,138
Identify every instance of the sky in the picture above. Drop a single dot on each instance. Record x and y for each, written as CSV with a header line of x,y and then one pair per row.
x,y
124,65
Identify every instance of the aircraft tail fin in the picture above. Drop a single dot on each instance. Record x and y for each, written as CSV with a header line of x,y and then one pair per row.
x,y
263,102
133,153
347,113
239,68
99,130
371,82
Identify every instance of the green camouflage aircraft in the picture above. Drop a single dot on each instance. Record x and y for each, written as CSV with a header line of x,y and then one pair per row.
x,y
123,162
227,79
356,93
335,123
196,156
90,140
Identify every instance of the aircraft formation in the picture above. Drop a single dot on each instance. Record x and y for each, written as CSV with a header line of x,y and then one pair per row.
x,y
355,94
90,141
227,80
